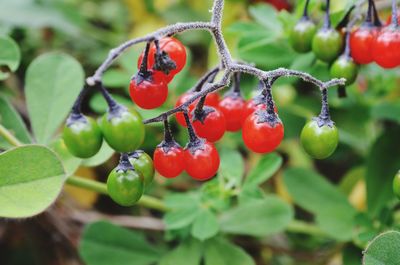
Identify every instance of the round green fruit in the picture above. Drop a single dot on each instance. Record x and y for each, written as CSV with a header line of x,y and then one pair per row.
x,y
82,137
319,142
125,187
345,67
301,35
123,130
327,44
144,164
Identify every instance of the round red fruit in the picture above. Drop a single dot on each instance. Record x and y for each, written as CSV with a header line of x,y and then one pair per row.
x,y
233,108
149,92
386,47
210,124
252,106
262,136
169,160
361,41
202,160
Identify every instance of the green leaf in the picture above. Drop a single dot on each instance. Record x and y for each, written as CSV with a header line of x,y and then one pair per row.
x,y
31,177
382,164
101,157
259,218
103,243
312,192
387,111
70,162
221,252
205,225
383,250
266,15
265,168
12,121
188,253
232,166
10,55
116,78
185,208
53,82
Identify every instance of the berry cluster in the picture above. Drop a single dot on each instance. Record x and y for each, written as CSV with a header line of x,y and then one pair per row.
x,y
363,45
200,110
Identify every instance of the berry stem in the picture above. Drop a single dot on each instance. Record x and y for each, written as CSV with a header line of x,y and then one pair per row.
x,y
113,106
324,115
368,19
168,138
327,19
377,21
236,84
124,164
305,11
395,23
8,136
143,67
347,45
200,105
193,138
267,92
76,108
208,77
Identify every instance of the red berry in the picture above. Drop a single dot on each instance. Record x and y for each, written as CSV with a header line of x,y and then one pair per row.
x,y
211,125
151,92
232,107
201,160
176,51
250,107
361,41
212,100
169,160
386,47
259,135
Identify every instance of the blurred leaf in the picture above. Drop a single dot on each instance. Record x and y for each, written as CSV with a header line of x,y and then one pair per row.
x,y
116,78
31,177
70,162
248,28
259,218
387,111
52,83
382,164
383,250
250,194
221,252
205,225
12,121
187,253
185,209
101,157
99,105
265,168
10,55
103,243
312,192
266,15
232,166
351,178
351,255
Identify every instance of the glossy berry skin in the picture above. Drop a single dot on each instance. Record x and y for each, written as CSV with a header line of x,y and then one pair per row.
x,y
123,130
327,44
302,34
344,67
176,51
149,93
232,107
212,127
253,105
125,187
386,47
169,161
260,136
361,41
319,142
143,163
202,160
212,100
83,137
396,185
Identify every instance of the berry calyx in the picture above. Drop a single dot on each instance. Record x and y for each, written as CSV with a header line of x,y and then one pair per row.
x,y
148,89
209,123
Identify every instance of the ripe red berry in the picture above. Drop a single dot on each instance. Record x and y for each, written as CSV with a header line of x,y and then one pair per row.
x,y
260,134
386,47
149,91
361,41
169,160
210,124
201,160
212,100
176,51
232,106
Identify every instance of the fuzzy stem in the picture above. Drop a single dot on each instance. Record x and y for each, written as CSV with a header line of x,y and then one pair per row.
x,y
327,19
9,137
324,115
377,21
112,104
192,135
236,83
267,92
368,19
206,78
168,138
305,11
143,66
99,187
200,105
395,22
